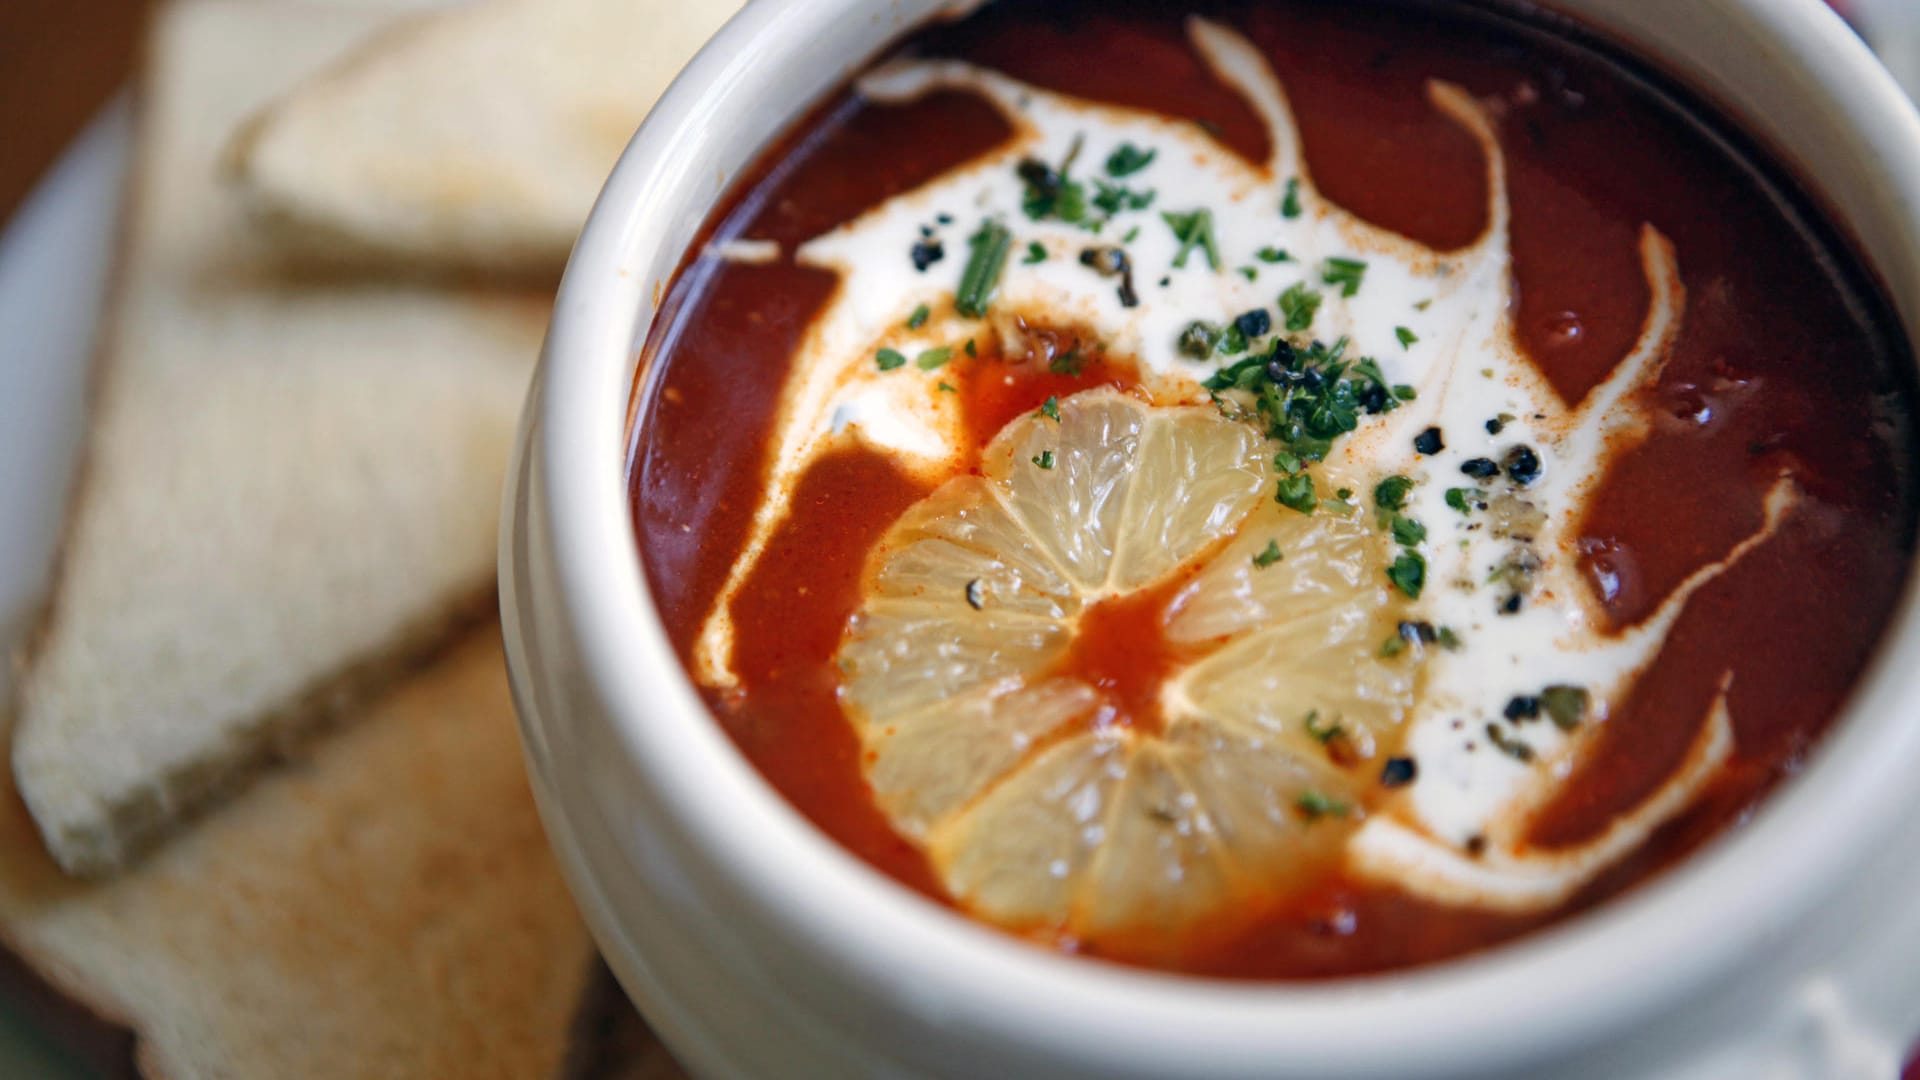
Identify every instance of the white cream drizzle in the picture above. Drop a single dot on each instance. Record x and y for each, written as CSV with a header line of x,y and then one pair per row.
x,y
1467,365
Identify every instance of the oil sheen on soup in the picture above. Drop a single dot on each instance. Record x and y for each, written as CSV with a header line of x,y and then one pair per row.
x,y
1281,491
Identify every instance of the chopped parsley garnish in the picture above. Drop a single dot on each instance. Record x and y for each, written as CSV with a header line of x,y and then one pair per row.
x,y
976,595
1051,194
970,350
919,317
1507,744
1051,408
1393,646
1232,342
1250,273
1272,254
1299,304
1290,202
1566,705
1407,532
1322,733
1112,199
1296,493
1313,806
1044,459
1391,494
1305,397
1269,555
949,388
1036,253
1128,159
1131,235
933,359
984,266
1194,230
1466,500
1406,336
888,359
1409,573
1067,363
1346,273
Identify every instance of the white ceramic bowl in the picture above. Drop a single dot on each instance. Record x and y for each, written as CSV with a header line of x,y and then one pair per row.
x,y
756,946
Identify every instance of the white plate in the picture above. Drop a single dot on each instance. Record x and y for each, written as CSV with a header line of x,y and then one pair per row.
x,y
54,262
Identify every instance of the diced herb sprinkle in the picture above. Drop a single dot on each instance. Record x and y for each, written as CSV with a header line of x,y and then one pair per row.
x,y
1193,229
919,317
1131,235
933,359
1407,532
1044,459
1320,732
1346,273
1307,397
1067,363
969,349
1296,493
976,595
1290,202
985,264
1406,336
888,359
1507,744
1036,253
1051,407
1232,342
1466,500
1128,159
1250,273
1255,323
1391,493
1268,556
1429,442
1050,194
949,388
1272,254
1409,573
1398,772
1393,646
1299,304
1112,199
1313,806
1566,705
1480,468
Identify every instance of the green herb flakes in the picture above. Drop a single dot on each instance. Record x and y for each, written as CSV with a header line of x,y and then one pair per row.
x,y
1409,573
1407,532
1198,340
1313,806
919,317
888,359
1268,556
1194,230
1391,493
1036,253
985,264
1299,305
1319,732
1067,363
1290,202
1272,254
1566,705
1466,500
933,359
1345,273
1296,493
1128,159
1406,336
1044,459
1051,409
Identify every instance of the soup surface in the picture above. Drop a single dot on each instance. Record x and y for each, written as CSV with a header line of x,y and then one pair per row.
x,y
1275,490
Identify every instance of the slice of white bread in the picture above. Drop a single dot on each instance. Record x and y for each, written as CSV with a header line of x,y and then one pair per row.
x,y
290,487
387,909
474,138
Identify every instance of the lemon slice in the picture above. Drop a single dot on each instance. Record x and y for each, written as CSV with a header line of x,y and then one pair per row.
x,y
1041,804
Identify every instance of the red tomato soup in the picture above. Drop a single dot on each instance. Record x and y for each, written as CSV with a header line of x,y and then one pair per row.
x,y
1520,476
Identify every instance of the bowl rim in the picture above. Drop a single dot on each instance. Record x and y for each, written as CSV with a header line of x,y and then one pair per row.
x,y
1563,983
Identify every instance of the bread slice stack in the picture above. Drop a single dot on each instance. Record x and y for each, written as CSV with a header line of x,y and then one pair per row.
x,y
287,508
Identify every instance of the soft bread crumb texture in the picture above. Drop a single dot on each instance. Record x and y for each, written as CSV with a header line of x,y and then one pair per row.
x,y
388,908
291,485
470,139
